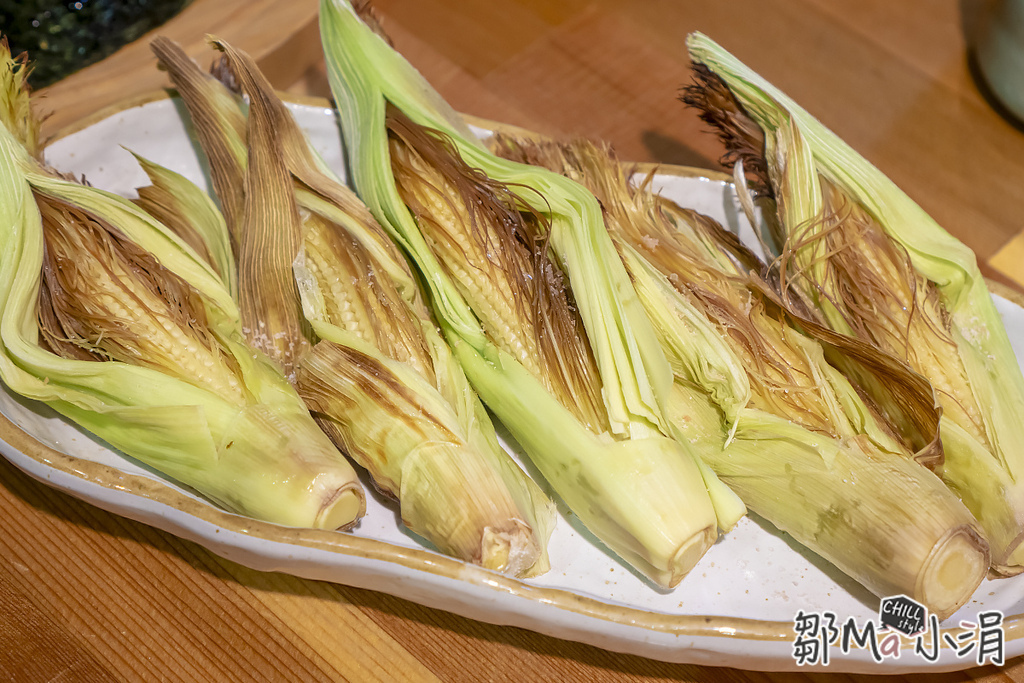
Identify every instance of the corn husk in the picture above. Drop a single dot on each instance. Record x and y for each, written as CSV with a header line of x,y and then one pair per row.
x,y
763,408
179,204
535,304
16,113
378,377
220,126
877,267
146,351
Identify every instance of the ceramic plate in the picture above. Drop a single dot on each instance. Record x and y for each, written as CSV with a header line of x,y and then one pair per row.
x,y
735,609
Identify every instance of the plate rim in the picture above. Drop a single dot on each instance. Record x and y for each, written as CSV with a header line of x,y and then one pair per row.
x,y
416,559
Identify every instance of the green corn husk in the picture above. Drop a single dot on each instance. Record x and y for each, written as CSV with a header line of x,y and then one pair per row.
x,y
146,351
16,113
761,406
880,269
175,201
569,363
379,378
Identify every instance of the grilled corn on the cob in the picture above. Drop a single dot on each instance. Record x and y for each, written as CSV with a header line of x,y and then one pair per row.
x,y
882,270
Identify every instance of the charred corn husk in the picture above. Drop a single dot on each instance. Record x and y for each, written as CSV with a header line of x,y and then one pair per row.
x,y
379,378
535,304
877,267
145,351
764,409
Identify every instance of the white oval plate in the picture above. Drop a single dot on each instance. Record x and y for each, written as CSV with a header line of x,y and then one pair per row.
x,y
735,609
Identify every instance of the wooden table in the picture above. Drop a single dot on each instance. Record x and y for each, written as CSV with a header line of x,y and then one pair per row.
x,y
85,595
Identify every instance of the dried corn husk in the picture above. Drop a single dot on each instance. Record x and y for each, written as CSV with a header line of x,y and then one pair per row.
x,y
175,201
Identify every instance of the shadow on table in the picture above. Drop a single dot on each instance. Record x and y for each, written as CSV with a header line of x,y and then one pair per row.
x,y
973,14
666,149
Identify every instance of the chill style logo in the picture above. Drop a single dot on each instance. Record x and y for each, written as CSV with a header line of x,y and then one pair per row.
x,y
903,628
902,614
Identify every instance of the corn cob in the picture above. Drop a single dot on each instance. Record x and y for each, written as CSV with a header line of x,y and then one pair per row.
x,y
448,201
880,269
146,352
379,379
763,408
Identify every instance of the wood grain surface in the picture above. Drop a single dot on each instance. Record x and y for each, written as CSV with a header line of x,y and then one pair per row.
x,y
281,35
89,596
